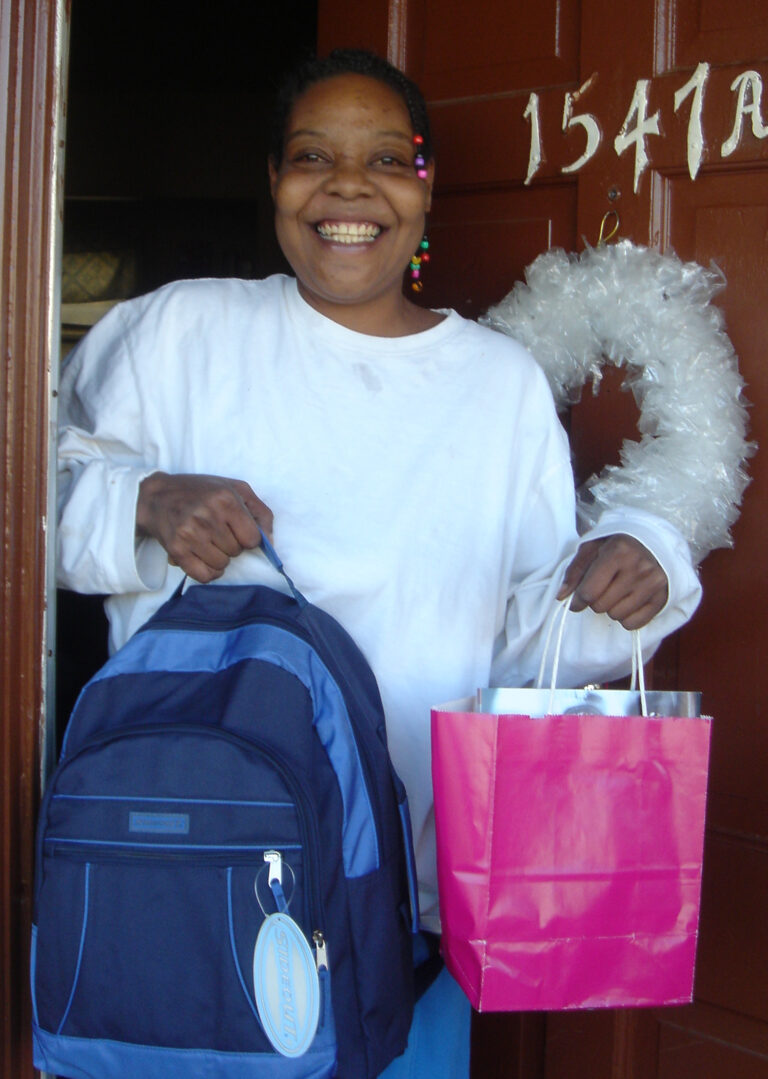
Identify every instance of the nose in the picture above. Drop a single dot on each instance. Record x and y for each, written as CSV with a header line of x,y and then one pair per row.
x,y
349,179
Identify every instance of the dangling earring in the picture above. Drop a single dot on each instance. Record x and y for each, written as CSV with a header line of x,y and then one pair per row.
x,y
421,255
417,261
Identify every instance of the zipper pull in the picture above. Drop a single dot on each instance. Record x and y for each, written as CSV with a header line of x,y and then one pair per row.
x,y
321,950
274,860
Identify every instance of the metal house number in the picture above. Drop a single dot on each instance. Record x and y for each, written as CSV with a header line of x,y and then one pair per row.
x,y
639,126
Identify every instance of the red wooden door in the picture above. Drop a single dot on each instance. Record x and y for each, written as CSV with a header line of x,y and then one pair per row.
x,y
496,75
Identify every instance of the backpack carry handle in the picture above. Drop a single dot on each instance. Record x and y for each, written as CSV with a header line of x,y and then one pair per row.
x,y
274,560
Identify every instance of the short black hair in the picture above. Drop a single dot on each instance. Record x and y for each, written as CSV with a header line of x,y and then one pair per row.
x,y
346,62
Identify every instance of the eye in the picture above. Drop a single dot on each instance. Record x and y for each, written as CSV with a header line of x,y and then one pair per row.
x,y
308,157
392,161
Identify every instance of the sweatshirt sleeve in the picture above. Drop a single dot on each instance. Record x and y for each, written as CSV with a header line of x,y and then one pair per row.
x,y
104,454
595,647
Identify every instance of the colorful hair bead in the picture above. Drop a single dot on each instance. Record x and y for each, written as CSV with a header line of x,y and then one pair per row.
x,y
418,162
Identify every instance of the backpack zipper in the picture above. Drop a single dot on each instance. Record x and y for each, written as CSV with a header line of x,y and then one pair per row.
x,y
305,811
214,625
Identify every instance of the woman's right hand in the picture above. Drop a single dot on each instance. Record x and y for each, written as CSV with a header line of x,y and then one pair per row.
x,y
201,521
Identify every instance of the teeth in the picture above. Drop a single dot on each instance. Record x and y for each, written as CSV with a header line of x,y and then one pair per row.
x,y
349,232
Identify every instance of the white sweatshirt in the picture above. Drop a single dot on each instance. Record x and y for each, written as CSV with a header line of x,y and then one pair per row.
x,y
421,488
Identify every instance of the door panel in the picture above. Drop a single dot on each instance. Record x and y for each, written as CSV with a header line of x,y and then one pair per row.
x,y
732,972
496,207
486,224
705,1058
465,56
704,1043
480,241
718,30
487,141
724,219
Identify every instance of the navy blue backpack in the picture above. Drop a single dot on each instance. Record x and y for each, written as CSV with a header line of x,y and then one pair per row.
x,y
225,884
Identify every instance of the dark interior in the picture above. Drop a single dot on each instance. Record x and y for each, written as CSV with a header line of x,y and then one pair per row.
x,y
167,116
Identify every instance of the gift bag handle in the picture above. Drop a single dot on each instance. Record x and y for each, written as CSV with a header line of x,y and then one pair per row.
x,y
561,613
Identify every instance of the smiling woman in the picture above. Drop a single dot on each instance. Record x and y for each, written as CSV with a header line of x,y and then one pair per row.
x,y
409,462
349,205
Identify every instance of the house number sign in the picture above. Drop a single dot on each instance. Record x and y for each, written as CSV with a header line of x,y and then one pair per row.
x,y
638,126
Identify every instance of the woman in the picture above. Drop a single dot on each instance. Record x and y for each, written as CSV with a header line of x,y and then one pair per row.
x,y
409,462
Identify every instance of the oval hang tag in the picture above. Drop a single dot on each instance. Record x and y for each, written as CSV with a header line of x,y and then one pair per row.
x,y
286,985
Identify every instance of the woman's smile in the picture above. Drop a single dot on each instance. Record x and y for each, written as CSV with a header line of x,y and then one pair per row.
x,y
348,232
349,207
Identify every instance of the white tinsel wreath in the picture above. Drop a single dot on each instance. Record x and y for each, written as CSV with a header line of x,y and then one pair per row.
x,y
633,307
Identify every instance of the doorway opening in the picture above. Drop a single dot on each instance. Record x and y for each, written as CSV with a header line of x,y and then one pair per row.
x,y
165,177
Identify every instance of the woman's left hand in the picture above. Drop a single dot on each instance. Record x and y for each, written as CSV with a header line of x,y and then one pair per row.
x,y
616,576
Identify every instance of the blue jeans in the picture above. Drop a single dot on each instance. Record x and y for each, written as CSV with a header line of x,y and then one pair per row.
x,y
438,1044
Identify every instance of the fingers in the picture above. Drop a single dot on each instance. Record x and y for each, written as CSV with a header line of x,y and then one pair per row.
x,y
259,510
575,572
202,521
619,577
637,617
199,569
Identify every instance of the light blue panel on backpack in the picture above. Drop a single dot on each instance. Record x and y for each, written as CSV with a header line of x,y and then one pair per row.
x,y
122,1060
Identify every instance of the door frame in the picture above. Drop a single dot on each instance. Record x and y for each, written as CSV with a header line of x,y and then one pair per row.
x,y
33,64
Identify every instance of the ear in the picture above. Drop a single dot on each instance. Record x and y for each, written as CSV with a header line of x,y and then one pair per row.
x,y
430,183
273,171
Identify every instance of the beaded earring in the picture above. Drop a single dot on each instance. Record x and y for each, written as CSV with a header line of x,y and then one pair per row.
x,y
421,255
417,261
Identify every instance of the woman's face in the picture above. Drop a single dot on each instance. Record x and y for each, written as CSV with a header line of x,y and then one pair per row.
x,y
349,207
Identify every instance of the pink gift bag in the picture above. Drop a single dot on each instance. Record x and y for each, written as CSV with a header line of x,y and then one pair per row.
x,y
569,846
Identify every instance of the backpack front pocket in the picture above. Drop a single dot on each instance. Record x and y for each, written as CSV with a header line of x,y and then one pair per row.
x,y
151,949
149,908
